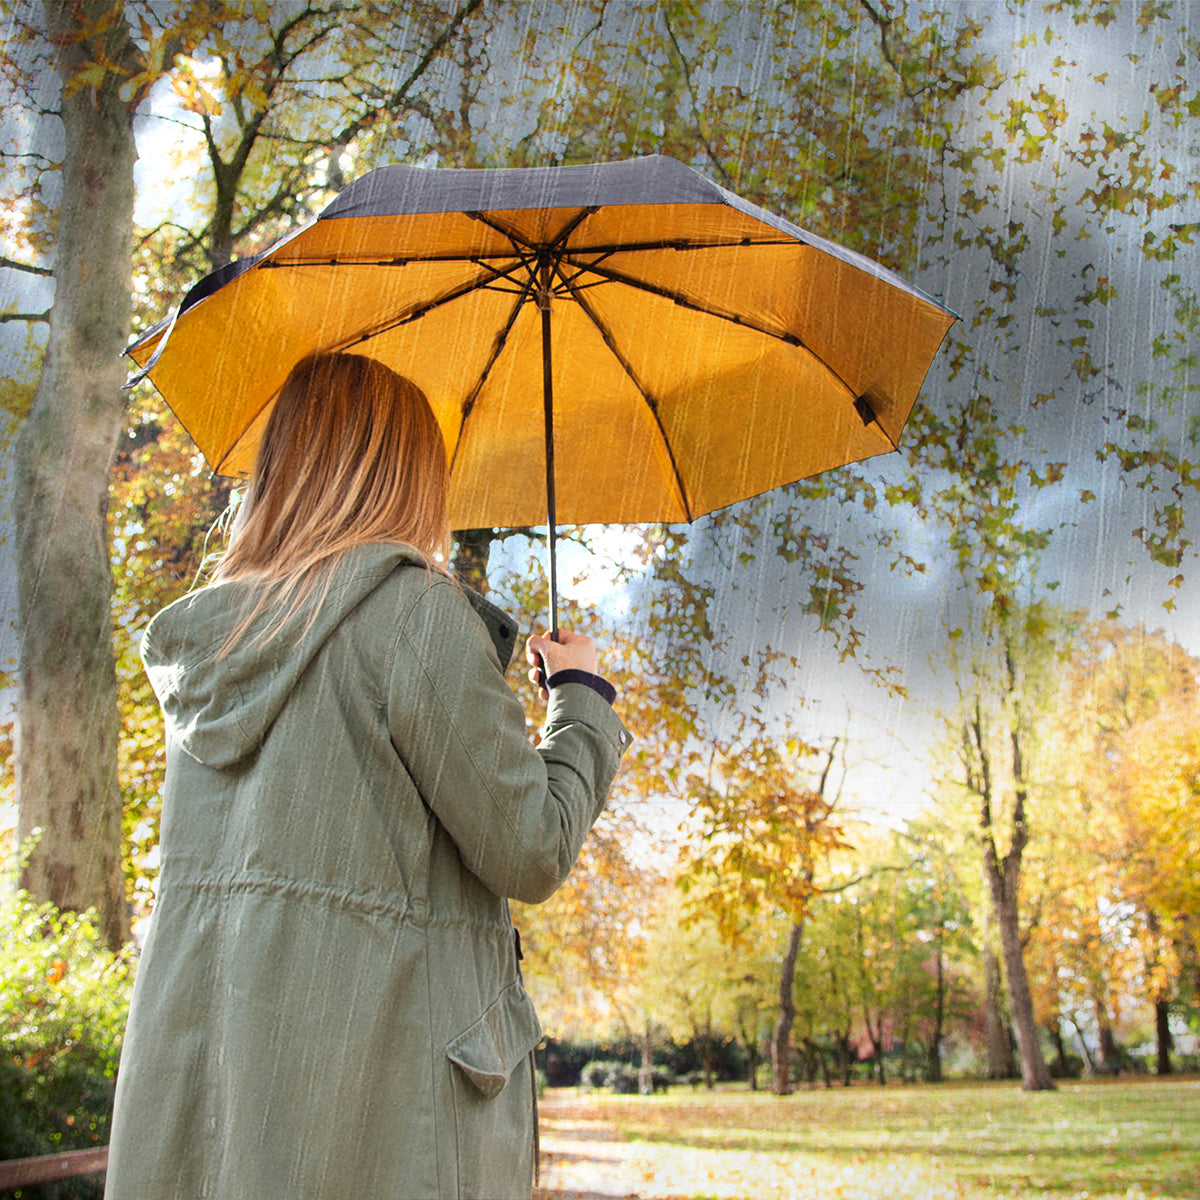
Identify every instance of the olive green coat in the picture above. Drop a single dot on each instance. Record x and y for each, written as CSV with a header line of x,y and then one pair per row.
x,y
328,1001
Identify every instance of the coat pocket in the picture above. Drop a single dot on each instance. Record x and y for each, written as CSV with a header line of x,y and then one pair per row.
x,y
498,1042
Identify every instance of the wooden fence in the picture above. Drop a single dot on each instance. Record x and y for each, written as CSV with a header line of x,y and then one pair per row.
x,y
48,1168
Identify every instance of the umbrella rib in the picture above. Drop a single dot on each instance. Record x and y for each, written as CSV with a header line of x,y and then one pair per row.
x,y
479,260
476,285
582,215
519,242
682,244
683,301
515,238
651,404
399,261
498,347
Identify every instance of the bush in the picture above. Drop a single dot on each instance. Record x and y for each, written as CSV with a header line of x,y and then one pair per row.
x,y
618,1077
563,1062
63,1001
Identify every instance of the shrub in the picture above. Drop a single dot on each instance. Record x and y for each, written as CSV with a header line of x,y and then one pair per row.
x,y
618,1077
63,1001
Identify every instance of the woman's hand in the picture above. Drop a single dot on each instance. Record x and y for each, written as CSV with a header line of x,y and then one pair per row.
x,y
572,651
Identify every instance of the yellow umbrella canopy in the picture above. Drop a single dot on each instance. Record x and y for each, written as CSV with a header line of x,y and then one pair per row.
x,y
618,342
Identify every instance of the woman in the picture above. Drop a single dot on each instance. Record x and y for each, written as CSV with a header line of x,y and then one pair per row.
x,y
329,1002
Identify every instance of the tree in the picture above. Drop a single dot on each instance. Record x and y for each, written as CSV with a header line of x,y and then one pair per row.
x,y
66,749
108,60
943,929
762,835
685,981
995,765
1128,746
824,988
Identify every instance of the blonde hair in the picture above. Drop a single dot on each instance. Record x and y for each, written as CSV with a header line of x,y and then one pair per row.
x,y
351,454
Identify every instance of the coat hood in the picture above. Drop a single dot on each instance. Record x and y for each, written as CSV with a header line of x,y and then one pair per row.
x,y
220,707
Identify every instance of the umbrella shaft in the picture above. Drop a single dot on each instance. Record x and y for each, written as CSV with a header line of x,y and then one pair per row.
x,y
548,409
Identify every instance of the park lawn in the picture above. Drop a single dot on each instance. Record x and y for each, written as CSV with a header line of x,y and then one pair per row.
x,y
1129,1138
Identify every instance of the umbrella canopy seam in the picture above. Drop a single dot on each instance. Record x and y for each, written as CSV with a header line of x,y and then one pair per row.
x,y
497,349
651,403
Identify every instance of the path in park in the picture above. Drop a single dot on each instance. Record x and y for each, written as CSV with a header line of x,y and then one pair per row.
x,y
583,1157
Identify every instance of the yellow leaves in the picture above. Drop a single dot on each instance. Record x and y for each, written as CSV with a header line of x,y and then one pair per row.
x,y
90,75
1151,12
155,54
1166,96
16,396
1054,474
254,92
763,834
149,49
195,96
87,30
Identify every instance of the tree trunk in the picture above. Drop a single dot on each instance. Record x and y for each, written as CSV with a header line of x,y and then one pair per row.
x,y
1162,1036
472,548
933,1050
1089,1064
844,1056
1035,1075
875,1034
781,1037
750,1040
646,1070
1054,1029
706,1051
1107,1054
66,754
814,1057
1003,886
810,1064
999,1041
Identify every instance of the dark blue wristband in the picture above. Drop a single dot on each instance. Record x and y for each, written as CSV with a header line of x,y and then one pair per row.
x,y
572,675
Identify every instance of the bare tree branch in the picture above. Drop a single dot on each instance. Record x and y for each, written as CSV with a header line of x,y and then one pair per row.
x,y
6,318
687,75
400,95
29,268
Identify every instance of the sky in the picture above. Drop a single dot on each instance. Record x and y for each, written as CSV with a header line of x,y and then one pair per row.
x,y
1093,555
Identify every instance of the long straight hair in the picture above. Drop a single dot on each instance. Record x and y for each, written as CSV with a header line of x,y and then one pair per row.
x,y
351,454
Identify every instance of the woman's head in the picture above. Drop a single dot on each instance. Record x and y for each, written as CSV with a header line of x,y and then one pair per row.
x,y
351,454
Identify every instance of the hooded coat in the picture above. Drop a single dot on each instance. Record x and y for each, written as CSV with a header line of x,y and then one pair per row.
x,y
328,1001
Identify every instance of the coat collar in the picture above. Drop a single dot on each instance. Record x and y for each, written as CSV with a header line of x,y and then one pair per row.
x,y
501,627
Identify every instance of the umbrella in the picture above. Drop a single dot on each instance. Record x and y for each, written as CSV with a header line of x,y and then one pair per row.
x,y
618,342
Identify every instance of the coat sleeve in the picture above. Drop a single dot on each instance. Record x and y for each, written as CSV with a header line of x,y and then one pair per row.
x,y
518,815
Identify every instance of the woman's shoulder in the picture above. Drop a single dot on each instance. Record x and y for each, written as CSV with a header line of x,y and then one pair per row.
x,y
437,616
416,600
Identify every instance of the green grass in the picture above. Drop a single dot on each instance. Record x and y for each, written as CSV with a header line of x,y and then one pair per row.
x,y
1127,1138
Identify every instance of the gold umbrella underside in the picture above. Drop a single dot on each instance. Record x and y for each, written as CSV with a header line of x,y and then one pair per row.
x,y
691,351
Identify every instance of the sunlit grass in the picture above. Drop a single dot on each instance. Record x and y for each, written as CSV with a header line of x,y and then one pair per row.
x,y
1131,1139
